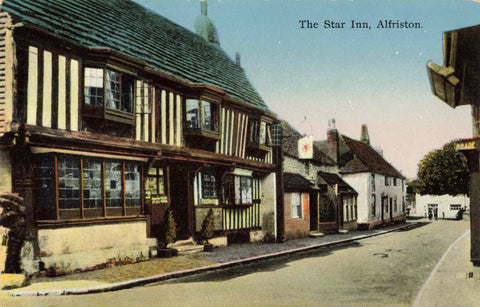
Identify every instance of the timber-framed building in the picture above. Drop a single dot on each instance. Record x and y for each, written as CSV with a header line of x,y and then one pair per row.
x,y
111,114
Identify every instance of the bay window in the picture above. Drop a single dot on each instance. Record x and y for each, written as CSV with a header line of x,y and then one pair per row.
x,y
109,91
202,118
75,187
241,190
259,135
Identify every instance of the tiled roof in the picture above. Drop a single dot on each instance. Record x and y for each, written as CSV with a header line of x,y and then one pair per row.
x,y
367,159
130,29
290,145
296,183
332,179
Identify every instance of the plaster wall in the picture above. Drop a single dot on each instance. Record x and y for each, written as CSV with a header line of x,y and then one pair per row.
x,y
267,209
83,247
420,209
361,182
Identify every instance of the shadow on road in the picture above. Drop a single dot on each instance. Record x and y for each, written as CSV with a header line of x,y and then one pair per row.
x,y
414,226
267,265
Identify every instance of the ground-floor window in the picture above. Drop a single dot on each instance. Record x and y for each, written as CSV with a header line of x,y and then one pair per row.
x,y
241,190
156,186
349,209
374,202
71,186
296,205
455,207
205,188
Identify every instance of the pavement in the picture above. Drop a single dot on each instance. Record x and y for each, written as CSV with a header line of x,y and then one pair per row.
x,y
454,276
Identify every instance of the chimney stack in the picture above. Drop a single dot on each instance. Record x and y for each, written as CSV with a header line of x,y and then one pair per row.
x,y
364,138
332,140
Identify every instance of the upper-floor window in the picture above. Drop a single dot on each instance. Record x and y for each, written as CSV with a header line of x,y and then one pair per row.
x,y
372,182
387,181
202,123
202,114
111,91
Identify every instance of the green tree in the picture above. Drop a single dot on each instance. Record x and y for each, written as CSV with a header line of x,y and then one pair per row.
x,y
443,171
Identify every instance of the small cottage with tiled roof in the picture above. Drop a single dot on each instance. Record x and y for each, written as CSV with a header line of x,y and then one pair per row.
x,y
380,187
112,117
316,199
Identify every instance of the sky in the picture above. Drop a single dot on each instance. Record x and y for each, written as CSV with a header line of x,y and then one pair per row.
x,y
374,76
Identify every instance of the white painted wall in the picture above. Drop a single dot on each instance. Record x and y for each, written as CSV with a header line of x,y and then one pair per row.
x,y
420,207
362,184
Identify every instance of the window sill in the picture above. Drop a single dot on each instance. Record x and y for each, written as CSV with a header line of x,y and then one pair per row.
x,y
101,112
214,135
90,221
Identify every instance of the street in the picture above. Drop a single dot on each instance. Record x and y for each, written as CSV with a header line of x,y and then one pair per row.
x,y
385,270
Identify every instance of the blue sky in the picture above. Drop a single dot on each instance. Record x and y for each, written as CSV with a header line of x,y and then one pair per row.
x,y
376,77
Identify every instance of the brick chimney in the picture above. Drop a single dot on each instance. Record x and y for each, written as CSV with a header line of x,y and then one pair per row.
x,y
364,138
332,140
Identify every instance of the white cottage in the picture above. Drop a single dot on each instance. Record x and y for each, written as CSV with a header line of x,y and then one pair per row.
x,y
380,187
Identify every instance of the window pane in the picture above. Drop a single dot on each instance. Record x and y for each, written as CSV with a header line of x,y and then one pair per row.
x,y
209,189
113,172
47,182
192,114
113,90
69,182
296,205
132,185
207,116
246,190
263,133
127,93
254,131
93,86
92,183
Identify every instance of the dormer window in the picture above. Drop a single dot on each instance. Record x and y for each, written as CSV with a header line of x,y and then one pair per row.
x,y
109,91
202,119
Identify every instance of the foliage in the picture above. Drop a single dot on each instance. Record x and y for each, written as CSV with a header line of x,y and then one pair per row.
x,y
170,228
208,227
444,171
413,187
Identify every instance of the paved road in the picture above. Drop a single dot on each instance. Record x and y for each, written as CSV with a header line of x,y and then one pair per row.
x,y
387,270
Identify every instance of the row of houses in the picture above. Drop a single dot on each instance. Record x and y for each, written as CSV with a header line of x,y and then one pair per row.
x,y
111,116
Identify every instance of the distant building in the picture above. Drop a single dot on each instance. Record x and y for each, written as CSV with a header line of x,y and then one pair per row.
x,y
380,187
439,206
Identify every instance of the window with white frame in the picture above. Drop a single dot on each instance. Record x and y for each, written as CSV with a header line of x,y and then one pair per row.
x,y
296,205
372,182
